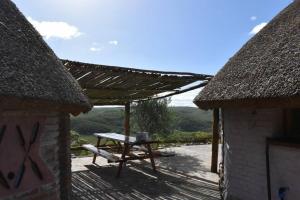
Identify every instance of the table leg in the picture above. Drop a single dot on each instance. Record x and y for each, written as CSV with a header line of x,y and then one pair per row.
x,y
122,159
98,144
119,147
151,157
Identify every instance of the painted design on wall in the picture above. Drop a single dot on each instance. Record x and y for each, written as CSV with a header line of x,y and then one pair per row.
x,y
27,156
21,166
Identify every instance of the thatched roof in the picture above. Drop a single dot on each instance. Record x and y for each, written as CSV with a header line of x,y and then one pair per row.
x,y
30,71
111,85
266,71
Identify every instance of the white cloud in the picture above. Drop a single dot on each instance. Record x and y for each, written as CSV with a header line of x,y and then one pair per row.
x,y
185,99
113,42
52,29
257,28
253,18
95,49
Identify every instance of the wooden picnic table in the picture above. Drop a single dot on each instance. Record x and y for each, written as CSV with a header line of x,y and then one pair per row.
x,y
127,145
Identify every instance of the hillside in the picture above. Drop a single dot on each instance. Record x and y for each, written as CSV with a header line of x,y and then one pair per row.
x,y
192,119
110,119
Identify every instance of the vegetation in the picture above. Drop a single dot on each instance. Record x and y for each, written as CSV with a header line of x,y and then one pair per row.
x,y
177,137
110,119
153,116
166,124
99,120
185,137
190,119
77,139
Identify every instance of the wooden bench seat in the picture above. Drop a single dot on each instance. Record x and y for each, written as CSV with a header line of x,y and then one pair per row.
x,y
140,148
100,152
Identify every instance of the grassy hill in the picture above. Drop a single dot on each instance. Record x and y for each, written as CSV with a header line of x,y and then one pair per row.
x,y
110,119
192,119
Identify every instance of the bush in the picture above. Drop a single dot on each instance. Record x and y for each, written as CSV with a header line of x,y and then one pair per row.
x,y
152,116
184,137
77,140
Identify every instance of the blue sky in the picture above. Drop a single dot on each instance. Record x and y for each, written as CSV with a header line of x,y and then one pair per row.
x,y
179,35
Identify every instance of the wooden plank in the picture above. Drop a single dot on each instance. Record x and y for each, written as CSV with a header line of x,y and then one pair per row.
x,y
286,142
116,137
140,148
127,119
183,91
90,83
98,144
215,142
100,152
151,157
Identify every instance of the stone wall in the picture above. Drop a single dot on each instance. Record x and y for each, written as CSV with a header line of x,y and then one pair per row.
x,y
245,159
51,155
65,157
284,170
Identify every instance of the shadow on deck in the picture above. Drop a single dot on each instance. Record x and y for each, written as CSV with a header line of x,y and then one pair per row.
x,y
139,182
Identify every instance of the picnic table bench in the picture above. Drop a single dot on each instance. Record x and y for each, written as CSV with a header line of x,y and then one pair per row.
x,y
105,154
126,145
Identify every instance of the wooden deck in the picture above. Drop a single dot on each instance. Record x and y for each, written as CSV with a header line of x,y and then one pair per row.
x,y
187,177
140,184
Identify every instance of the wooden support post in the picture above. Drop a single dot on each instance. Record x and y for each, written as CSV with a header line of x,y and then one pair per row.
x,y
123,160
151,156
127,119
215,142
127,133
98,145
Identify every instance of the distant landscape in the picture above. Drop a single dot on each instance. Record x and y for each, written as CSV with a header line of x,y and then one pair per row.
x,y
190,125
110,119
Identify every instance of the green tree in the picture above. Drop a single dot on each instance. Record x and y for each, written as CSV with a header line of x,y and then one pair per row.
x,y
153,116
76,140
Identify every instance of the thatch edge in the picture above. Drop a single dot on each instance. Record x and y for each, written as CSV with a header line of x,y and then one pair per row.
x,y
250,103
15,103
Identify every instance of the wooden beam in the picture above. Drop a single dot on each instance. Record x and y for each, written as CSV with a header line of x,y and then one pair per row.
x,y
108,89
127,119
111,99
182,91
215,142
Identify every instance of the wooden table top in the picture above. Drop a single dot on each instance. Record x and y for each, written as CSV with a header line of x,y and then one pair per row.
x,y
117,137
122,138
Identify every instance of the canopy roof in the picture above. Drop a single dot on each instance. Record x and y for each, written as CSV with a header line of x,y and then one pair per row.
x,y
110,85
266,71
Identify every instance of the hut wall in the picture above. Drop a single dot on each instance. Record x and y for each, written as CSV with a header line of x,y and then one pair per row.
x,y
284,171
245,143
64,153
48,152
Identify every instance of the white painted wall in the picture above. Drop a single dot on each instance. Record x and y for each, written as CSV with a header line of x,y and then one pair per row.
x,y
245,161
284,171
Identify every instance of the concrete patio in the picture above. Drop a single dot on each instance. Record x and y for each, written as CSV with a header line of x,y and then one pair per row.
x,y
185,176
